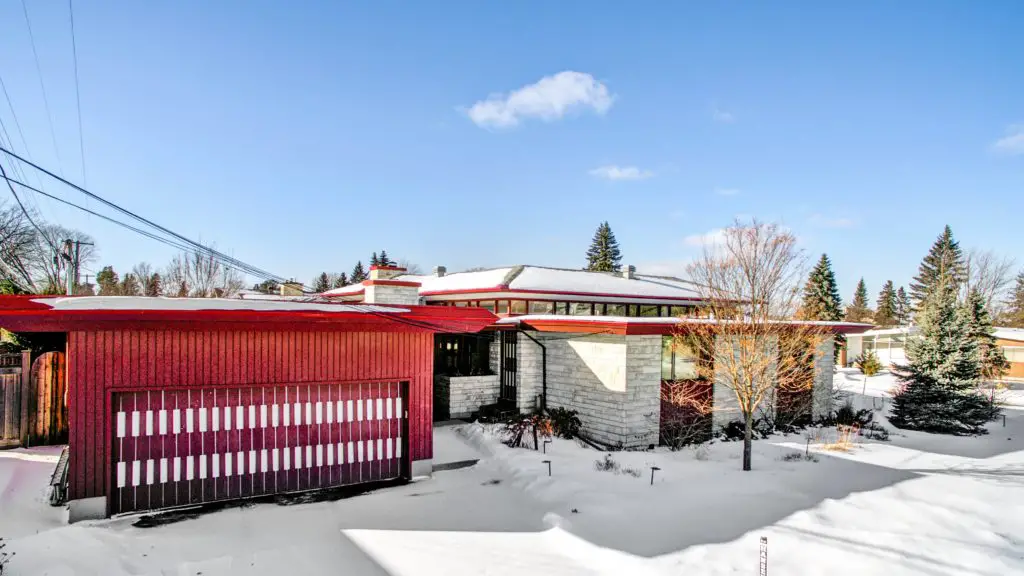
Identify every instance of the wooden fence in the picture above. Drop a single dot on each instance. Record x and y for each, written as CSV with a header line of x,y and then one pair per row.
x,y
33,400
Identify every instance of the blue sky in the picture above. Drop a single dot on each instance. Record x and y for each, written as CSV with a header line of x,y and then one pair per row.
x,y
302,136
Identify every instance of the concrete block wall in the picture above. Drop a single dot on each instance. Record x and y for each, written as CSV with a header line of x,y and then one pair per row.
x,y
726,405
643,390
824,365
529,372
466,394
383,294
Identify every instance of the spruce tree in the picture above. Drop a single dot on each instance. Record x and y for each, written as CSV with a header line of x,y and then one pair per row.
x,y
940,381
154,287
383,259
945,260
885,313
358,274
603,254
341,280
858,310
1013,316
321,283
993,361
130,286
902,307
821,299
109,283
374,261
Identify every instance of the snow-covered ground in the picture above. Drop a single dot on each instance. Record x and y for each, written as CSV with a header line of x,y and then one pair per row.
x,y
919,504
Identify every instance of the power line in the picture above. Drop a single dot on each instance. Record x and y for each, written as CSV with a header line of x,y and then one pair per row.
x,y
24,211
39,72
78,96
16,167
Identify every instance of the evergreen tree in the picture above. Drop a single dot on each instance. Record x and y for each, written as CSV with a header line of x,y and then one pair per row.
x,y
1013,316
945,261
940,380
374,261
603,254
383,259
130,286
108,281
858,310
993,361
341,280
902,307
155,285
821,294
321,284
885,313
267,287
358,274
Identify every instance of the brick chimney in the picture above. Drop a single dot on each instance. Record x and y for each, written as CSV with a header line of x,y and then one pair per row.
x,y
629,272
291,288
382,288
385,272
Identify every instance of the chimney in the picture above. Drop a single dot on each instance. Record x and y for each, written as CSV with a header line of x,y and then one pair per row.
x,y
628,272
385,272
291,288
440,271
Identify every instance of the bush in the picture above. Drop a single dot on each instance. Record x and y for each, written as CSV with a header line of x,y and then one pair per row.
x,y
524,431
868,363
610,465
847,416
799,457
5,557
736,430
565,423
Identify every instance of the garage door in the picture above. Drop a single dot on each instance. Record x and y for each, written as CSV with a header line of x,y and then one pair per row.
x,y
184,447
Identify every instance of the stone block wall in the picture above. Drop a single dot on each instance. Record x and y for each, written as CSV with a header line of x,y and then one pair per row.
x,y
643,390
383,294
726,405
824,365
466,394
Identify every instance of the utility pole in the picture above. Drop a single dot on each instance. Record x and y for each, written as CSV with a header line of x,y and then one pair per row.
x,y
72,253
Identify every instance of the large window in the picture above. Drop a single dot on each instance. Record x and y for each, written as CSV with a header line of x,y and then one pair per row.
x,y
649,311
518,307
487,304
561,308
462,354
542,307
678,361
615,310
581,308
1014,353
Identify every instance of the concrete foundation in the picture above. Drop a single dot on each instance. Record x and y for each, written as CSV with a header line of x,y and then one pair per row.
x,y
87,509
422,468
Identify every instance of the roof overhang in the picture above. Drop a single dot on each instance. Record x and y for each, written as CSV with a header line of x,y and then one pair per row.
x,y
503,293
645,326
93,313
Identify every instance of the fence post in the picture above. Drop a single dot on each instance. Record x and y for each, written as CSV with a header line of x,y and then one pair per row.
x,y
25,395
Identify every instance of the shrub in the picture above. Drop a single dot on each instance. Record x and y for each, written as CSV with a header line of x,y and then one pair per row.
x,y
868,363
607,465
735,430
565,423
5,557
799,457
523,431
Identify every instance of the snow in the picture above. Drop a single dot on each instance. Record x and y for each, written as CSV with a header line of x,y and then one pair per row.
x,y
654,320
919,504
481,279
190,304
24,491
579,281
1010,333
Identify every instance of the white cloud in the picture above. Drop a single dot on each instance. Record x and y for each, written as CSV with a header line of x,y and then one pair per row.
x,y
722,116
621,173
826,222
1012,143
712,238
726,191
551,98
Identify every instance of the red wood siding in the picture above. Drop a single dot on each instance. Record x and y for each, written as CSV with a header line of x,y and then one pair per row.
x,y
101,363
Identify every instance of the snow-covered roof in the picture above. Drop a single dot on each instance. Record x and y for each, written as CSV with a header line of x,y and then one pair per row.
x,y
539,281
1010,333
527,318
76,303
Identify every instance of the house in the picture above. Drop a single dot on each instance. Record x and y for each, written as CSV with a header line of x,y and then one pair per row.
x,y
598,343
889,344
183,401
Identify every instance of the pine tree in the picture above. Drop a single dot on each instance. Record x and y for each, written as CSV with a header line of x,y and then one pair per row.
x,y
155,285
945,260
374,261
858,310
341,280
941,377
885,313
1013,316
358,274
821,294
383,259
109,283
321,284
993,361
902,307
130,286
603,254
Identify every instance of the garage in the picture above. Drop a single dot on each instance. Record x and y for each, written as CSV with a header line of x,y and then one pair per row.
x,y
184,402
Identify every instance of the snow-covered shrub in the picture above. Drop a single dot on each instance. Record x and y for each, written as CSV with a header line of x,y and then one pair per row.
x,y
5,557
607,465
701,453
799,457
634,472
564,422
868,363
685,416
525,431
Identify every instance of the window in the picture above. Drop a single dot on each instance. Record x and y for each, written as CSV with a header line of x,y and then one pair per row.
x,y
868,344
581,309
462,304
599,309
678,311
646,311
616,310
561,307
518,307
461,354
502,307
488,304
678,361
1014,353
542,307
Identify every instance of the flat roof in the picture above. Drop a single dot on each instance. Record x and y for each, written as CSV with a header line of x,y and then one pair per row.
x,y
639,326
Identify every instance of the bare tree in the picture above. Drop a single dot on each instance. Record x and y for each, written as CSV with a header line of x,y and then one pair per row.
x,y
19,249
150,281
410,266
52,272
200,275
749,280
991,275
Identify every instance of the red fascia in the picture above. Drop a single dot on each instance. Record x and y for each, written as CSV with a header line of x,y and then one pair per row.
x,y
555,292
637,328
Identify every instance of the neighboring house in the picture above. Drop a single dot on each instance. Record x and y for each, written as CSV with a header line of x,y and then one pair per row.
x,y
599,343
889,344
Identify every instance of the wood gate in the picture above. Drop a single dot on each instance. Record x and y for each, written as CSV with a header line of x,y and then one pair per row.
x,y
199,445
33,400
508,392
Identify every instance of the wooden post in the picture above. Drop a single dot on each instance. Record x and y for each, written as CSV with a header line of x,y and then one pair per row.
x,y
25,395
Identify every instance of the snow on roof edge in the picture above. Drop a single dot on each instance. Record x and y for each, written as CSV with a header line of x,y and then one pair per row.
x,y
153,303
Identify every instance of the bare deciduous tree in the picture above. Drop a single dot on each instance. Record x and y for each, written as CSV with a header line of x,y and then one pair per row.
x,y
19,249
52,273
410,266
991,275
199,275
750,281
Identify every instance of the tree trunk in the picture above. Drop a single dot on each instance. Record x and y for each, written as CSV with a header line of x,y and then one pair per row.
x,y
748,433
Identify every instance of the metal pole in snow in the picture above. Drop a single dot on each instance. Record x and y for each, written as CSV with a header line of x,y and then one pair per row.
x,y
764,556
548,462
